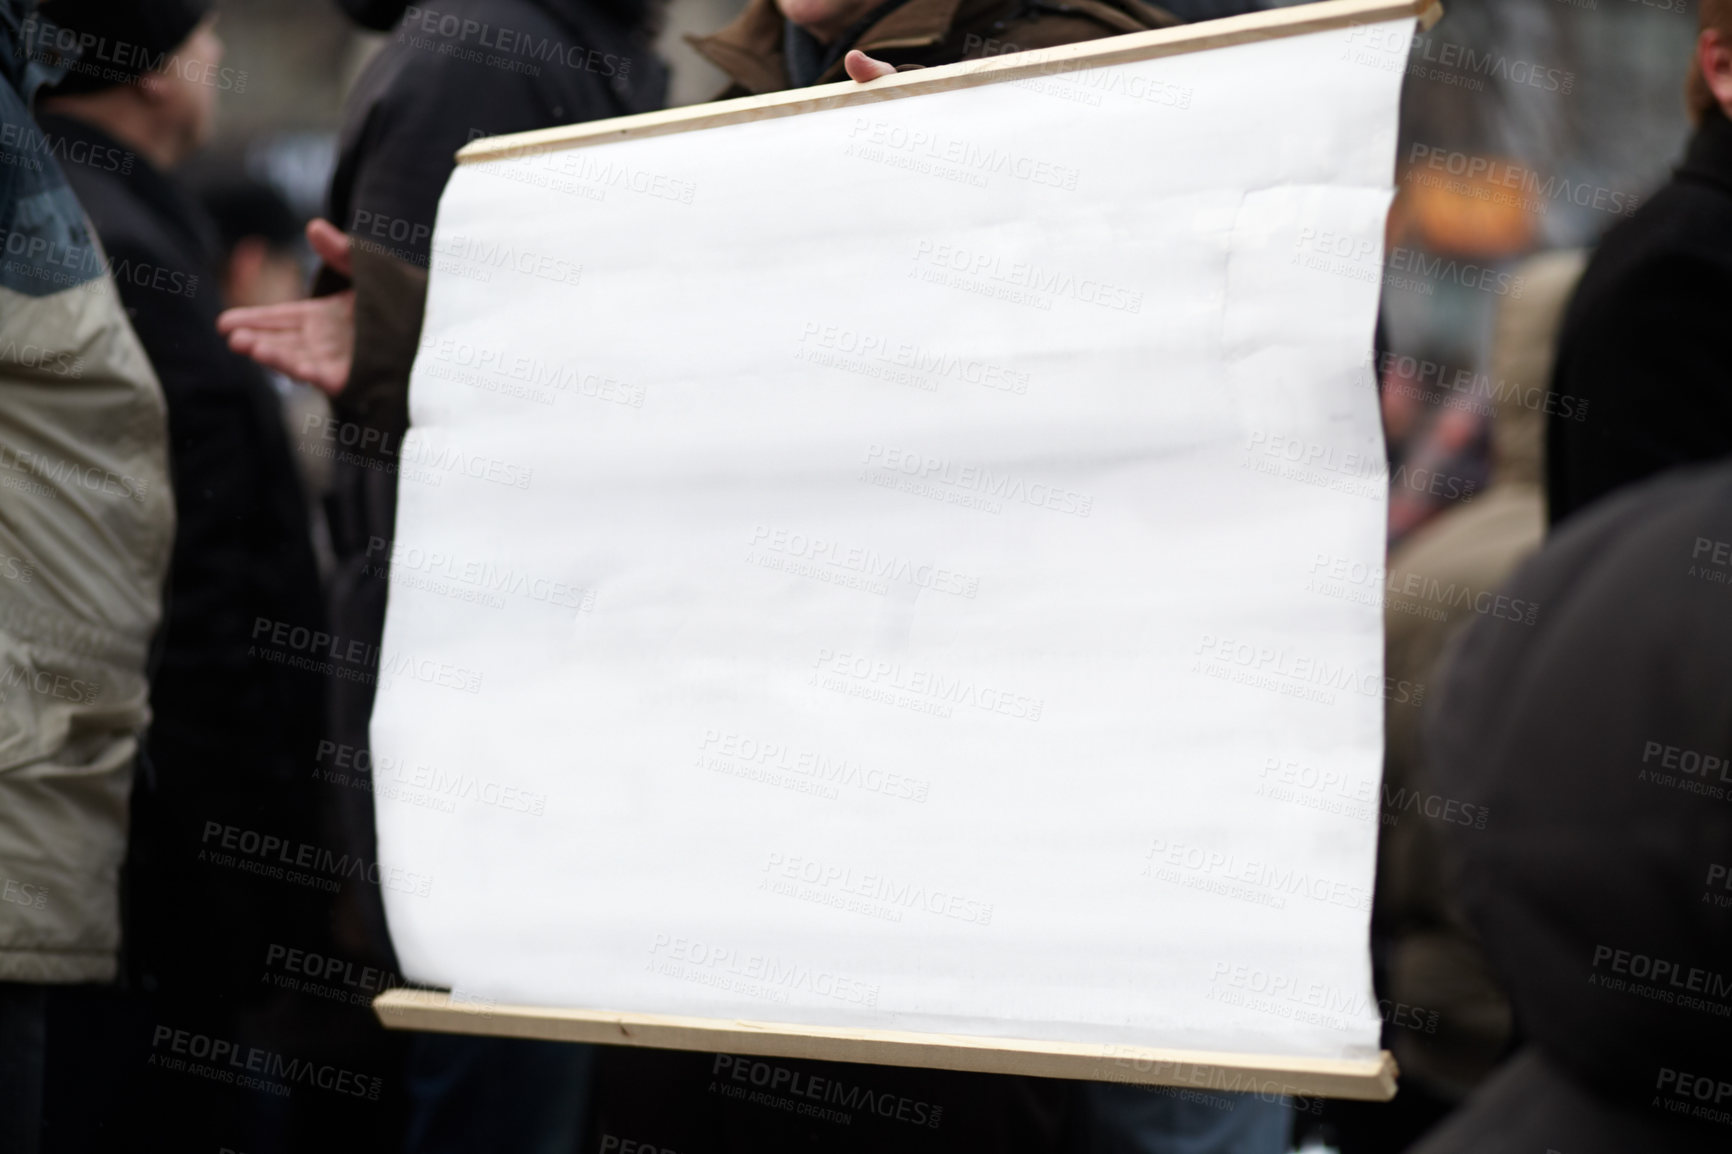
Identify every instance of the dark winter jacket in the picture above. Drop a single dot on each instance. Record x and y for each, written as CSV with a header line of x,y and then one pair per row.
x,y
237,711
448,73
1600,740
1645,343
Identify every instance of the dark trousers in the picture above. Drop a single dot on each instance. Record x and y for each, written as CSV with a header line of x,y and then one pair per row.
x,y
23,1042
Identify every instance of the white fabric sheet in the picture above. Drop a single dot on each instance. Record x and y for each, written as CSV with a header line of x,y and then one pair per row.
x,y
906,566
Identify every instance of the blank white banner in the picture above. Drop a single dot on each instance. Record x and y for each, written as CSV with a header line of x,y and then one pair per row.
x,y
911,566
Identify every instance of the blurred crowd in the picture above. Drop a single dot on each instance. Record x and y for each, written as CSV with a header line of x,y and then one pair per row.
x,y
204,364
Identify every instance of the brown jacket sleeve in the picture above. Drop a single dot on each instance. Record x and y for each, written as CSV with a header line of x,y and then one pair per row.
x,y
390,296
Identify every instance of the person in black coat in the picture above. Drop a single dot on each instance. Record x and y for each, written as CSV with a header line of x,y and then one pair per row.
x,y
237,714
1600,743
1643,345
235,719
444,76
470,68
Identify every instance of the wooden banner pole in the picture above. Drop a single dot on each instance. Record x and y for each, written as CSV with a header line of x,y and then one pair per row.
x,y
1371,1080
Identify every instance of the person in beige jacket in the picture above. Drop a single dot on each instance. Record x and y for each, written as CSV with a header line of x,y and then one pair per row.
x,y
86,524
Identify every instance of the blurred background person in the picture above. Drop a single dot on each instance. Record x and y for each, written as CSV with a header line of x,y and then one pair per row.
x,y
261,250
1568,142
1645,339
264,258
81,574
1596,886
1567,137
1526,127
1447,1018
235,721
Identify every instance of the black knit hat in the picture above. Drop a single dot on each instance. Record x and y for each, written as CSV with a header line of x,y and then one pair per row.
x,y
116,41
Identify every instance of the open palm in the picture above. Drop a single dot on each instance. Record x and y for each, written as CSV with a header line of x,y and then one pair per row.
x,y
311,340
